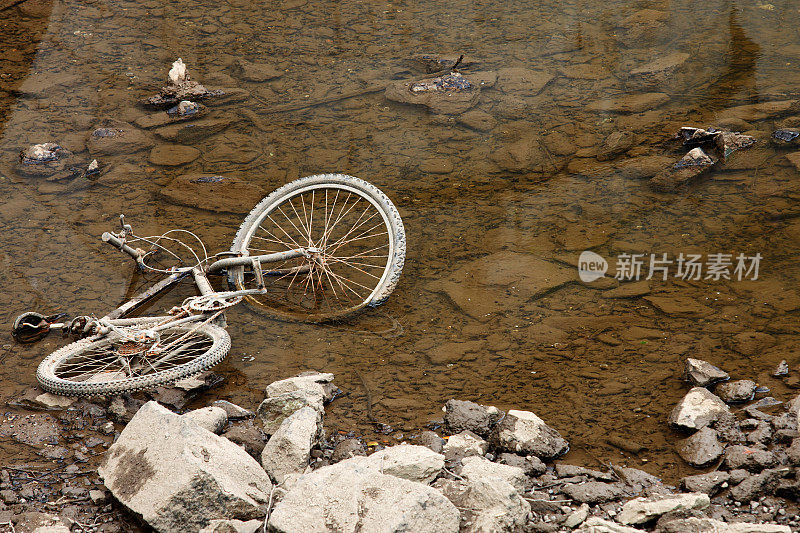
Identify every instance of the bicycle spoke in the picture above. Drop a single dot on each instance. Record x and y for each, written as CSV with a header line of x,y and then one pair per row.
x,y
350,239
107,360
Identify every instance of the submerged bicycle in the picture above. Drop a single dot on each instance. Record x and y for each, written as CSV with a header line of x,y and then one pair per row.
x,y
320,248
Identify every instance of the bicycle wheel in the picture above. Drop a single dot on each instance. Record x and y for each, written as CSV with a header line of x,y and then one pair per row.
x,y
115,363
357,241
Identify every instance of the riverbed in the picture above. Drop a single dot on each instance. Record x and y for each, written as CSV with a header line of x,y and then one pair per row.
x,y
553,160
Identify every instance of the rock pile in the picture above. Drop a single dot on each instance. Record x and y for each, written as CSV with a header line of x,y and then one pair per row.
x,y
491,472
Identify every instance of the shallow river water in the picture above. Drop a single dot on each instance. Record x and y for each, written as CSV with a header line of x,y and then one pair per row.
x,y
552,160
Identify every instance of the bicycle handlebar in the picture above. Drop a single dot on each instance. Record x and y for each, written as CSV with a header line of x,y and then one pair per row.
x,y
120,245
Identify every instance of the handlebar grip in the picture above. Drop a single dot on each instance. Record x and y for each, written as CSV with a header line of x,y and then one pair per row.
x,y
120,245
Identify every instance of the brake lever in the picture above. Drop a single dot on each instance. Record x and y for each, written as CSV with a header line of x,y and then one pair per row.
x,y
126,228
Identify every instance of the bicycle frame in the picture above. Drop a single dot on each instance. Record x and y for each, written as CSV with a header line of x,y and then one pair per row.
x,y
199,274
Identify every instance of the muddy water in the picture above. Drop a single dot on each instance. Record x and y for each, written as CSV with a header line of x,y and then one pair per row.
x,y
497,210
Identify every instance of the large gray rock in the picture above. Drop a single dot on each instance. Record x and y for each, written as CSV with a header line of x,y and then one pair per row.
x,y
248,437
487,505
480,468
464,444
525,433
643,510
709,483
233,526
752,459
314,381
431,440
709,525
593,491
353,496
275,409
235,412
348,448
213,419
567,470
577,517
754,486
701,449
702,373
793,451
408,461
179,476
697,409
34,522
741,390
531,465
288,451
465,415
595,524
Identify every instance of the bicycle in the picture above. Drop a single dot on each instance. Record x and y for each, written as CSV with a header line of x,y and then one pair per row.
x,y
320,248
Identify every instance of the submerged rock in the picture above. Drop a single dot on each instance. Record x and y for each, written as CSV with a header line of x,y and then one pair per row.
x,y
482,287
760,111
430,63
644,167
173,155
524,155
692,165
478,120
193,132
255,72
163,464
50,161
523,81
615,144
449,94
635,103
182,112
786,137
111,137
656,72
